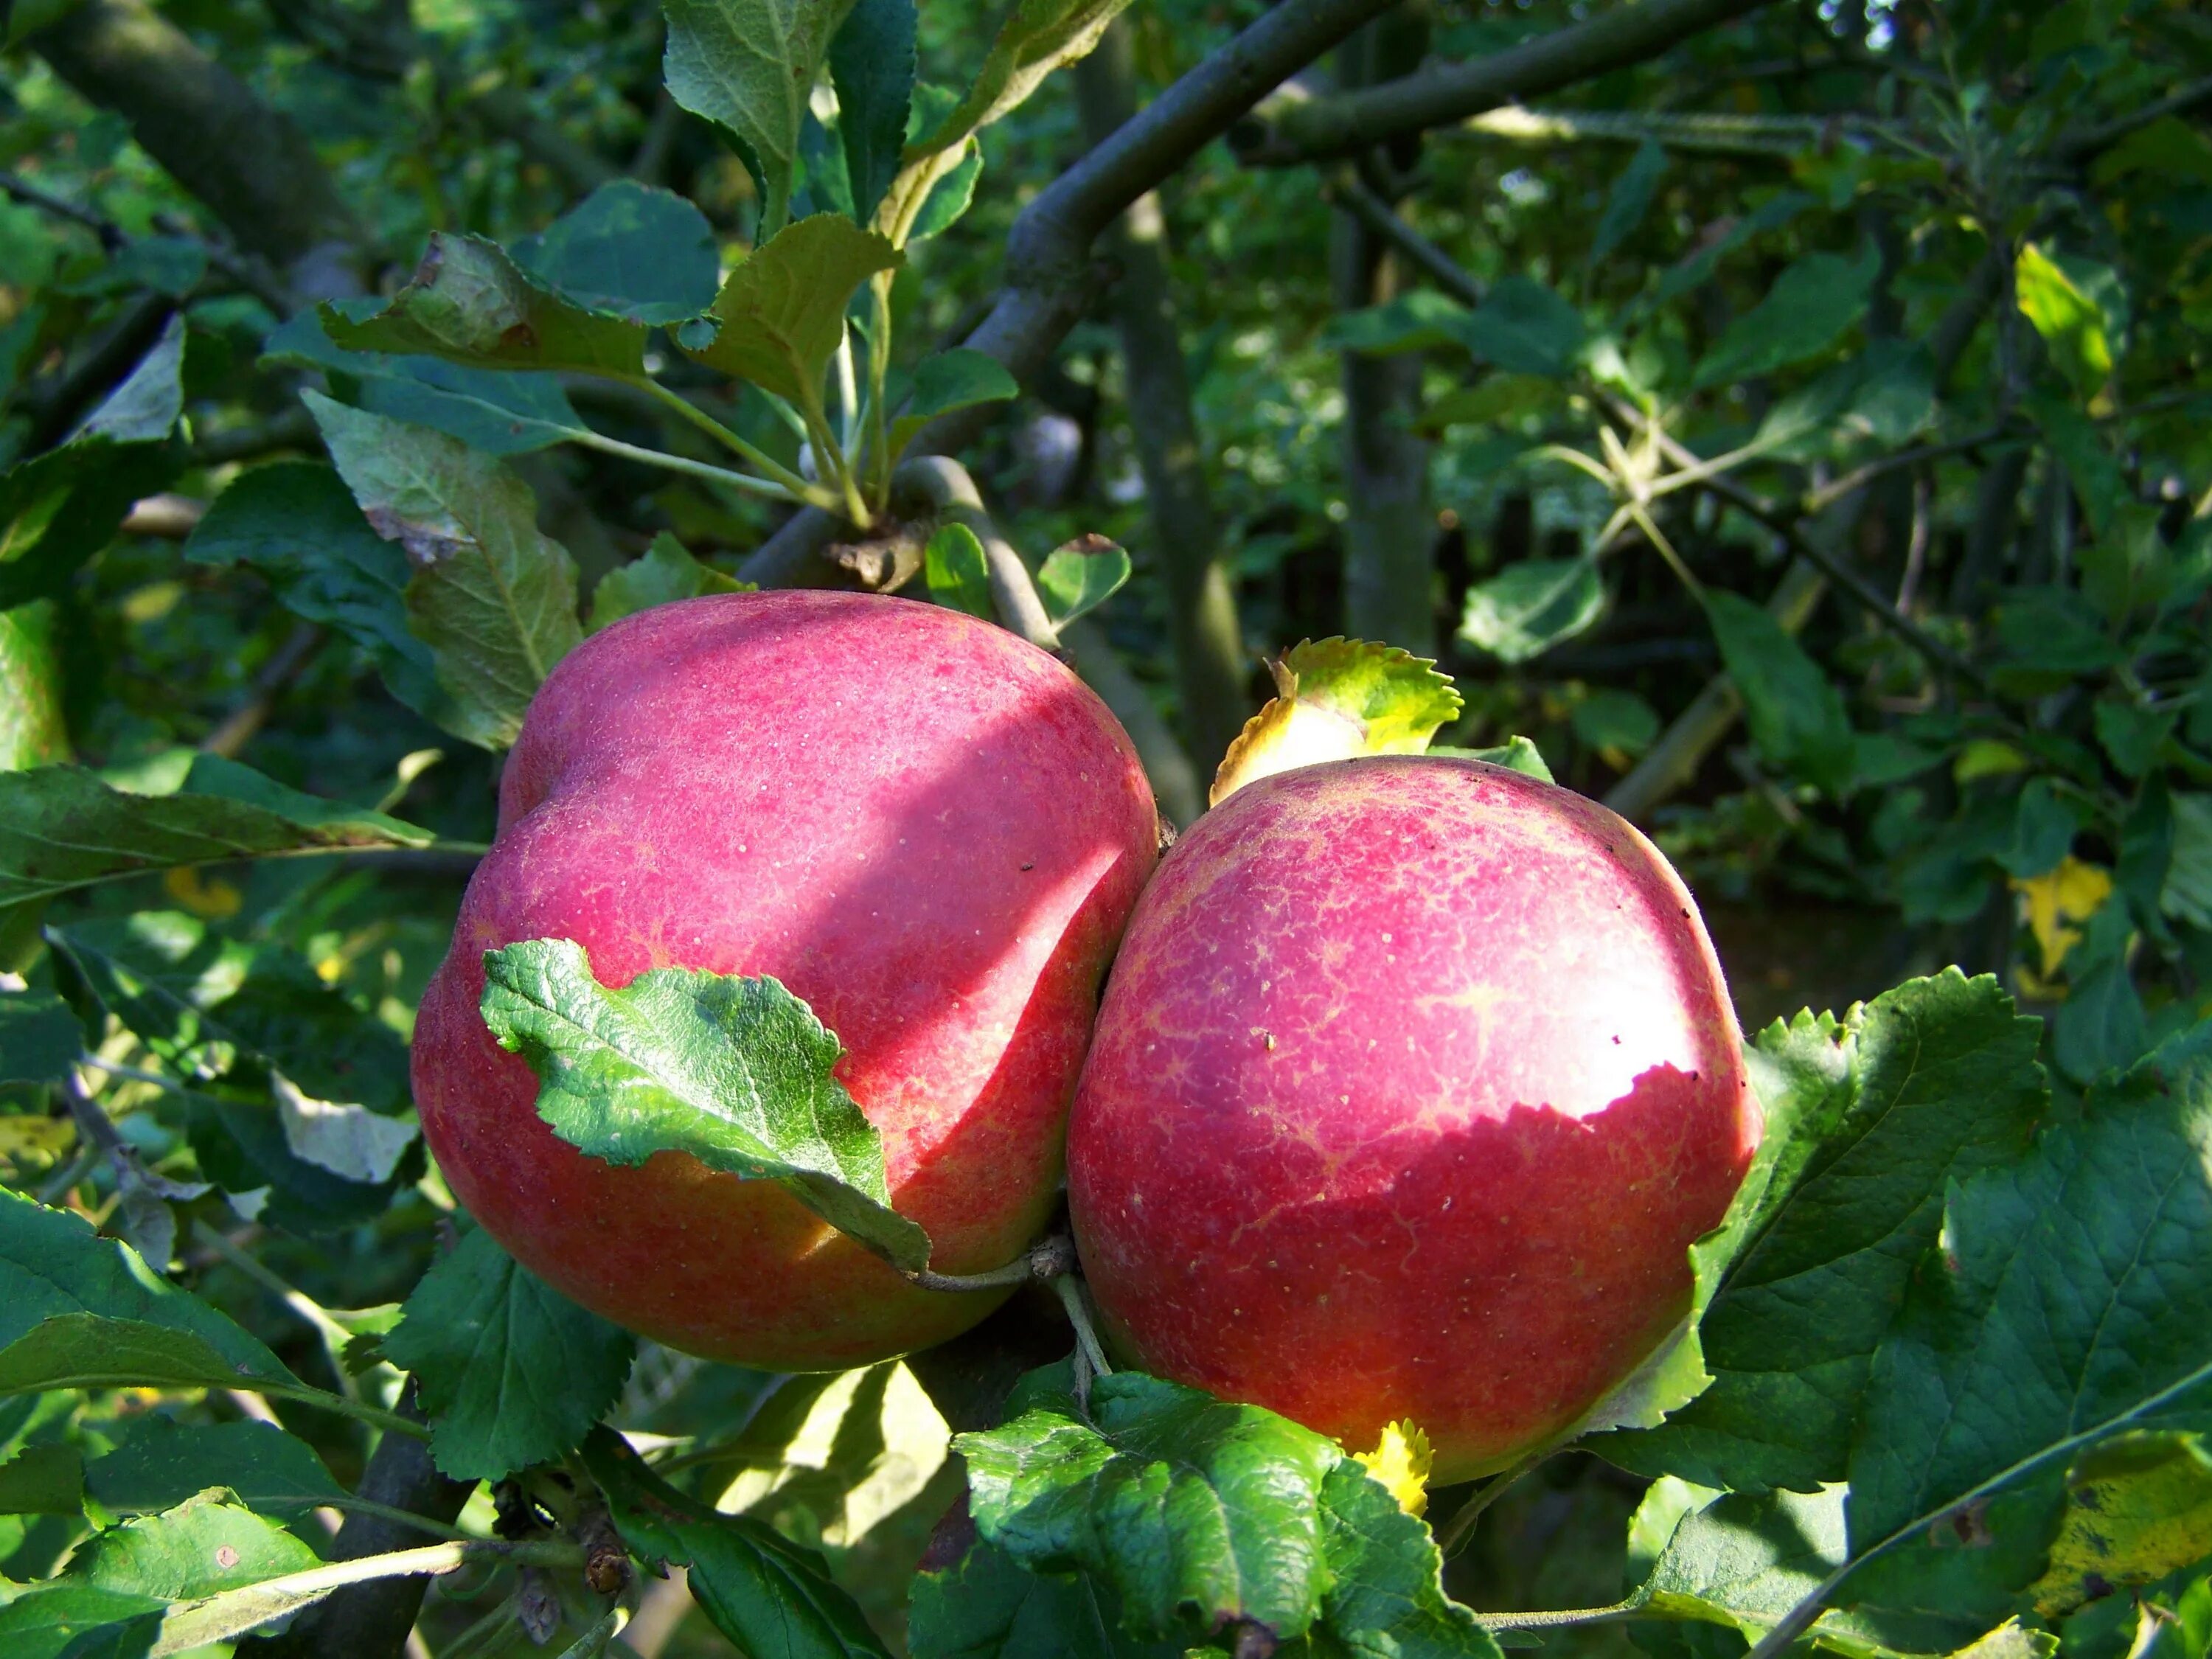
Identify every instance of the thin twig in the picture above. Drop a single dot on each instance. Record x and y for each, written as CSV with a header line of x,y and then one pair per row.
x,y
1461,1527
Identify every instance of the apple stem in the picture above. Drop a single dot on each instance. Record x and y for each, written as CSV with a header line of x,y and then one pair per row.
x,y
1070,1290
1046,1259
1454,1535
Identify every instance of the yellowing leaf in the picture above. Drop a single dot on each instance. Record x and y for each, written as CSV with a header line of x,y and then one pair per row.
x,y
1400,1461
208,897
2136,1508
1336,698
2011,1641
28,1137
2074,891
2072,323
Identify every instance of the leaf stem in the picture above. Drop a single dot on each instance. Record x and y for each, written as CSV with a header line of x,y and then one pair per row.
x,y
1069,1289
1454,1537
192,1624
1613,1614
796,487
588,439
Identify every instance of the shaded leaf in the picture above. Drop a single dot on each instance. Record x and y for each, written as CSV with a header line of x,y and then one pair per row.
x,y
958,574
1806,311
493,596
1795,714
1531,606
163,1463
772,1597
747,66
1867,1121
45,1480
665,573
737,1071
470,303
39,1037
628,250
513,1373
871,63
144,407
1524,328
1628,201
958,379
1079,576
782,312
62,828
59,509
500,411
1037,38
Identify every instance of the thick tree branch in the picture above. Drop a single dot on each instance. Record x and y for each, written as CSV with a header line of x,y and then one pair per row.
x,y
373,1617
254,170
1349,122
1203,629
1049,263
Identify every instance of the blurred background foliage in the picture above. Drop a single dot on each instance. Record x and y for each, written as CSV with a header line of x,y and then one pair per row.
x,y
1800,436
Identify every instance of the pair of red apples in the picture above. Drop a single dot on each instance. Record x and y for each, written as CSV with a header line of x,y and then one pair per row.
x,y
1413,1081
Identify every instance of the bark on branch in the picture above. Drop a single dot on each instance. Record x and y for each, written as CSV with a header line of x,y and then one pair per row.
x,y
1347,123
254,170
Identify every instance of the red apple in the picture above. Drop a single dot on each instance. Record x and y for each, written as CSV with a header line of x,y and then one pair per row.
x,y
1414,1081
929,829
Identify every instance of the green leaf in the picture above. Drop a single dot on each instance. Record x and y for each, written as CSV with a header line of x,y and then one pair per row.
x,y
2072,324
2131,735
1628,201
1037,38
469,303
51,1619
1795,714
2095,474
736,1072
59,509
297,524
77,1310
32,729
782,312
39,1037
500,411
163,1463
1524,328
1616,720
772,1597
1867,1121
1336,698
1698,268
2070,1301
45,1480
665,573
956,571
513,1373
1887,393
1806,311
748,66
2186,893
871,63
1419,321
958,379
1530,607
1079,576
62,828
1192,1514
1515,754
1196,1512
144,407
205,1546
628,250
493,596
987,1606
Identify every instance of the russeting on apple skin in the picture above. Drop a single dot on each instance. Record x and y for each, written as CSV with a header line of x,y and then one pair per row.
x,y
1414,1081
930,831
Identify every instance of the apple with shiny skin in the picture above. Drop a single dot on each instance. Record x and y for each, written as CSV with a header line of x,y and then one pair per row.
x,y
929,829
1415,1079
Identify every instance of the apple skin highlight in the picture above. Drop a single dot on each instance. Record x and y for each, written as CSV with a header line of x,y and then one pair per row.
x,y
1414,1081
929,829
